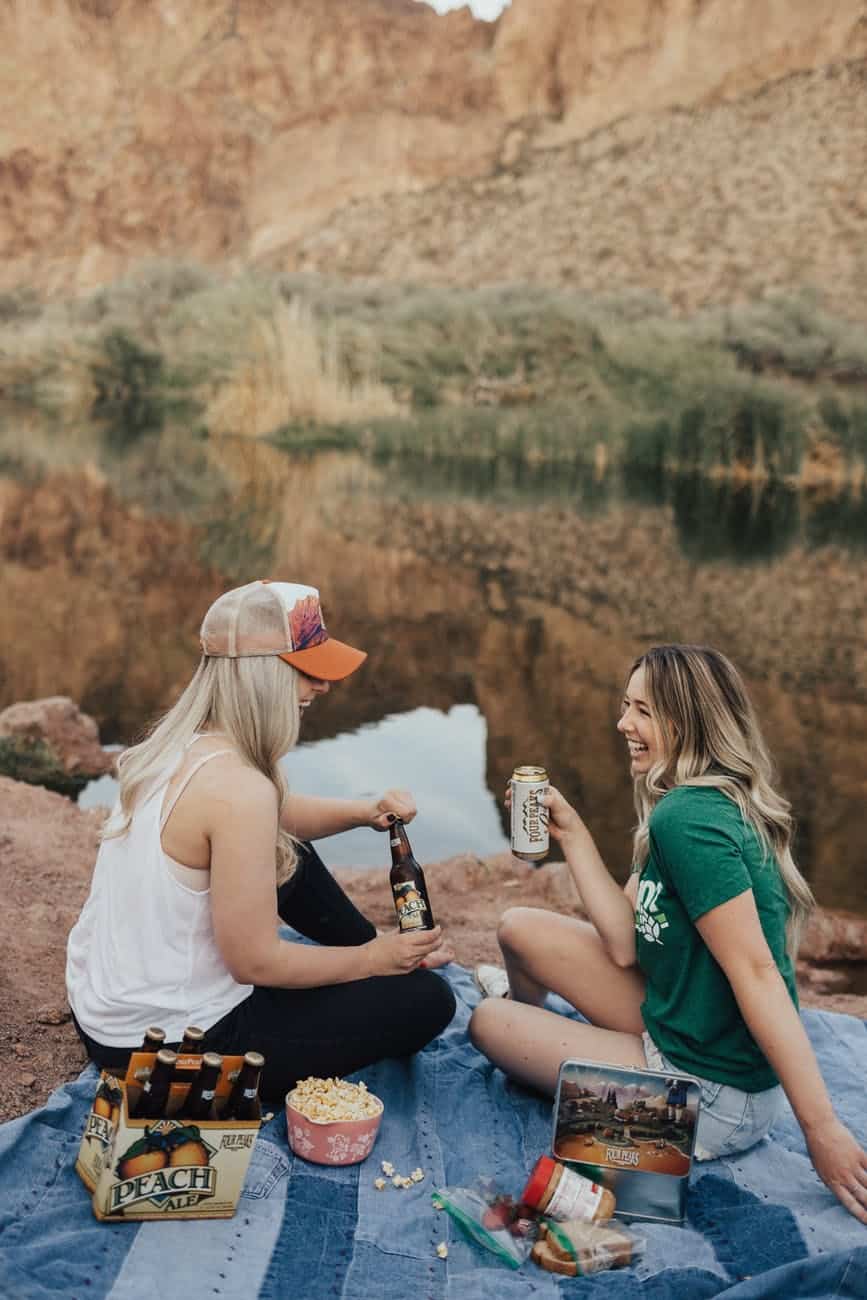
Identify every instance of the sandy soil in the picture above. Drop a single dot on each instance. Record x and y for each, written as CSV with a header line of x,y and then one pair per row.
x,y
47,849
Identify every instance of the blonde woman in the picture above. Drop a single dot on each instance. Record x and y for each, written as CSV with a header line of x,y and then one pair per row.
x,y
207,851
690,967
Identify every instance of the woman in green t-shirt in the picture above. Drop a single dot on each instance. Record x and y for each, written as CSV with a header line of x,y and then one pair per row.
x,y
689,967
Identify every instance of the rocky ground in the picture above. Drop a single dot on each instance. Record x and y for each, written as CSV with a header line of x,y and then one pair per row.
x,y
47,849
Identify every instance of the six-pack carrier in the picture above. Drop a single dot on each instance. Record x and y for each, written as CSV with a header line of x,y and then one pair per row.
x,y
169,1167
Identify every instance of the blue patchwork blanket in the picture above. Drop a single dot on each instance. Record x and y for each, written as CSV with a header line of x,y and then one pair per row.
x,y
759,1225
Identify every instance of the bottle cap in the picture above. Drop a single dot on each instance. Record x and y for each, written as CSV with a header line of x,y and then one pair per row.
x,y
538,1180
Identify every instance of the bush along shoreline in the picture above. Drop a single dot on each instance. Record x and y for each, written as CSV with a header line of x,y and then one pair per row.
x,y
769,390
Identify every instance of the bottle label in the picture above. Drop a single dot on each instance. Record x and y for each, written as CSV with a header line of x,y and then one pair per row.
x,y
395,843
411,907
208,1094
249,1093
574,1197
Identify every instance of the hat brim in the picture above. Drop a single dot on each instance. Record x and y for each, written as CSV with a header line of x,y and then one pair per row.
x,y
330,661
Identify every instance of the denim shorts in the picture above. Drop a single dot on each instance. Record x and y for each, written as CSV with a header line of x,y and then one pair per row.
x,y
729,1120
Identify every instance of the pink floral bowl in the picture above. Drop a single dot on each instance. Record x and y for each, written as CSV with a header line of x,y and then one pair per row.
x,y
331,1142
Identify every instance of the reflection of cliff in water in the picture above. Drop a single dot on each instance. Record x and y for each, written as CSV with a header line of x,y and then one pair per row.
x,y
716,518
530,609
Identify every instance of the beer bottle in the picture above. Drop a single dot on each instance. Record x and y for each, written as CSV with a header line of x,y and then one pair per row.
x,y
243,1102
154,1095
192,1041
154,1037
199,1101
408,884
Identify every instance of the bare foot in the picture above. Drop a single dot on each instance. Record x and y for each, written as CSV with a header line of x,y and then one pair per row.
x,y
440,956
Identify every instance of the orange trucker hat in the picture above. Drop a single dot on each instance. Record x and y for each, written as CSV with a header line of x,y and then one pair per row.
x,y
277,618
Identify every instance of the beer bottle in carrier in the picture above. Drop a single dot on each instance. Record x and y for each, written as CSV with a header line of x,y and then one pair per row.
x,y
199,1101
192,1041
243,1102
154,1096
408,884
153,1040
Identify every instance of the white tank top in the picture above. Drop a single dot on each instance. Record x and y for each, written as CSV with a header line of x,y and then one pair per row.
x,y
143,950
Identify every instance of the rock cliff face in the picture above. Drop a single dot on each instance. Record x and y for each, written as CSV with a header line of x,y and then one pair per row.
x,y
231,130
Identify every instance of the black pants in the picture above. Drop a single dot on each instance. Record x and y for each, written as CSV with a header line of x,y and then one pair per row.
x,y
331,1030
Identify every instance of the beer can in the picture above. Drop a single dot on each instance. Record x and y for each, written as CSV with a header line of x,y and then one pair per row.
x,y
529,816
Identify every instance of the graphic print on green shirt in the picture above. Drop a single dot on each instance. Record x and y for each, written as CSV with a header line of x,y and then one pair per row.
x,y
649,921
703,853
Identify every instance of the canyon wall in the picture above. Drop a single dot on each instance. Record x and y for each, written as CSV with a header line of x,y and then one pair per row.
x,y
232,131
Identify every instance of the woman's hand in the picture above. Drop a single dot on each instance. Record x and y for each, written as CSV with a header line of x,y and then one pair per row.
x,y
563,820
395,953
841,1164
393,804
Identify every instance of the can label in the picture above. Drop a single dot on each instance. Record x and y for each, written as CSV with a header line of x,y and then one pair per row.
x,y
529,814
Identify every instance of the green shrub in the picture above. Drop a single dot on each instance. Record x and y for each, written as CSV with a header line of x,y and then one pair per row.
x,y
32,761
128,387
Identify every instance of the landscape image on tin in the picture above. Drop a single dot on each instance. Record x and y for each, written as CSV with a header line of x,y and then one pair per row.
x,y
626,1120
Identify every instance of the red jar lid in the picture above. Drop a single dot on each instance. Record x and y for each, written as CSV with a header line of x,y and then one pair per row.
x,y
538,1180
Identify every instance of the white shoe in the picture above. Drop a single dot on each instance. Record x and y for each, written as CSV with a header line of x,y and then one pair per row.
x,y
491,981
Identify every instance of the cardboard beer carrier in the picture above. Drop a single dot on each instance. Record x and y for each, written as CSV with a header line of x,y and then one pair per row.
x,y
163,1168
631,1130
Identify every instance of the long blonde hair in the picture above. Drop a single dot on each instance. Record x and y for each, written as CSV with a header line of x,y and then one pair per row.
x,y
711,737
253,702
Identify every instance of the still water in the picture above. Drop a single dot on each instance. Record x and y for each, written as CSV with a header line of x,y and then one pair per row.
x,y
501,606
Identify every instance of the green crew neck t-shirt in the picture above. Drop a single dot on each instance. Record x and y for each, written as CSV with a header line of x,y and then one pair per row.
x,y
701,854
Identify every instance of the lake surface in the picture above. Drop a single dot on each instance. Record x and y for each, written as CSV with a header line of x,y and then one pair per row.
x,y
501,606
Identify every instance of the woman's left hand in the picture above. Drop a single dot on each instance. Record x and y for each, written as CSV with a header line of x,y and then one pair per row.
x,y
393,804
841,1164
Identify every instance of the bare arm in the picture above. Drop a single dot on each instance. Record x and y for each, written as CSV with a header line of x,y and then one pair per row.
x,y
610,908
308,817
242,829
733,933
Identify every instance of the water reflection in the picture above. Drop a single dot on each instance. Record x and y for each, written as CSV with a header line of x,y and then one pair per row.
x,y
500,607
501,480
440,756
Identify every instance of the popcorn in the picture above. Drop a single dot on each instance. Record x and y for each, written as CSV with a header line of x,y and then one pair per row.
x,y
443,1250
325,1100
397,1179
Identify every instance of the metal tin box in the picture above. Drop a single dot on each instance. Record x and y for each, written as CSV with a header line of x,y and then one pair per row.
x,y
631,1130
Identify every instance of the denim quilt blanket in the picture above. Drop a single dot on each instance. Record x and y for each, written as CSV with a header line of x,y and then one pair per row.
x,y
759,1225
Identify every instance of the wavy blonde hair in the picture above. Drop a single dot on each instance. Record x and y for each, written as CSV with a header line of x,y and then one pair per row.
x,y
253,701
711,737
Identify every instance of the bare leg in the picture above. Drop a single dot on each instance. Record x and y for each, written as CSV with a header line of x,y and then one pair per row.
x,y
548,953
545,952
529,1043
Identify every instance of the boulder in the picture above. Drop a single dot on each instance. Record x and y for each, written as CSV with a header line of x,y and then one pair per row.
x,y
51,742
834,936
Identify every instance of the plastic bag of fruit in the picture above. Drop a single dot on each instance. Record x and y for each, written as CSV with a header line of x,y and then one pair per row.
x,y
490,1218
